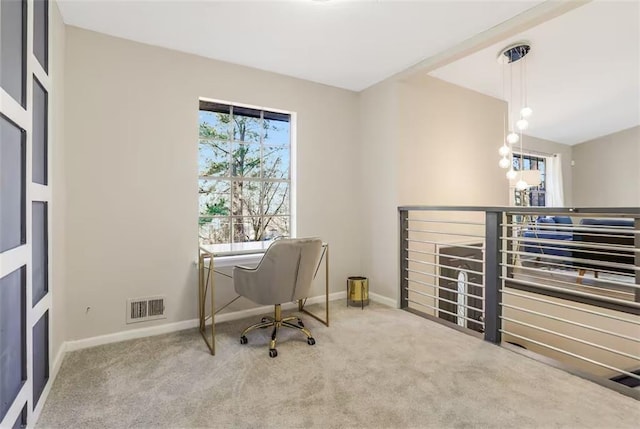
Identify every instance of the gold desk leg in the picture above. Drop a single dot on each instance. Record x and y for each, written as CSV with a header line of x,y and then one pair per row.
x,y
326,292
213,308
326,284
204,284
200,288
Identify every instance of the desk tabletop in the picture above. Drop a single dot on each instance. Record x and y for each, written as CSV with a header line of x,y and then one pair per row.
x,y
229,249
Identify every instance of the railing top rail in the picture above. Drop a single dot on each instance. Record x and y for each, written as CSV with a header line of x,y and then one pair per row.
x,y
611,211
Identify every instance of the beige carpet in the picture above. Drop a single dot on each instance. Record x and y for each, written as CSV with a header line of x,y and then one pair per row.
x,y
377,368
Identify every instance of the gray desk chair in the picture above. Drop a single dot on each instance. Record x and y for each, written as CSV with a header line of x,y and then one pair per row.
x,y
284,275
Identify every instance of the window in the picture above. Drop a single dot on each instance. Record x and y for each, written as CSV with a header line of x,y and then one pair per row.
x,y
244,174
534,196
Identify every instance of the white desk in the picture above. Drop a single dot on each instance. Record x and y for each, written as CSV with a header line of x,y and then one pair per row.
x,y
206,283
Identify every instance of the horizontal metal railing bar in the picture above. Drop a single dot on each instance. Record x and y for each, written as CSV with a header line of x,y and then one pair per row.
x,y
445,221
461,258
573,211
619,305
566,258
594,291
527,270
578,267
573,232
412,240
572,307
573,244
594,249
569,337
441,288
569,226
556,247
457,234
446,312
445,300
591,230
451,208
548,262
584,261
570,322
443,277
618,370
575,295
434,264
595,261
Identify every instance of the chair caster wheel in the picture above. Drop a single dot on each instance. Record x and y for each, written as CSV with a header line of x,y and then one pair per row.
x,y
273,353
311,341
243,340
300,324
263,320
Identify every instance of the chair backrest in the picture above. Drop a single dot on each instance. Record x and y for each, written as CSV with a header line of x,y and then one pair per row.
x,y
284,274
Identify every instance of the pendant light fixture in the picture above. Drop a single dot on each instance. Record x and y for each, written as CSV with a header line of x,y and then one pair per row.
x,y
514,124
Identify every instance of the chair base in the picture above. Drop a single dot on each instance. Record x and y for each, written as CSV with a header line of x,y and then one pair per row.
x,y
277,322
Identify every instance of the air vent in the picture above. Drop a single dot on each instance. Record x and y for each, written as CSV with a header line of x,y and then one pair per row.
x,y
143,309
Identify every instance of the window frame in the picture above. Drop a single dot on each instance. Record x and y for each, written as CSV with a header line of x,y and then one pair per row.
x,y
231,219
540,190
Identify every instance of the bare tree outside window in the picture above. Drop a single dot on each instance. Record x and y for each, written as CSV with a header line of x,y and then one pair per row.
x,y
244,174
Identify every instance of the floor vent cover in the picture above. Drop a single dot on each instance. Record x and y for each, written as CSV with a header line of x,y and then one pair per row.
x,y
143,309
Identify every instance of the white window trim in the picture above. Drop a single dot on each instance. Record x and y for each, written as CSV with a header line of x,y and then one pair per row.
x,y
293,157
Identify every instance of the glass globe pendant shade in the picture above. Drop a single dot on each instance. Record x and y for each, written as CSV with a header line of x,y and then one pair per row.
x,y
511,174
522,124
521,185
512,138
526,112
504,150
504,163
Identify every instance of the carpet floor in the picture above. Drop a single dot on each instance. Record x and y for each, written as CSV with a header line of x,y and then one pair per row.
x,y
373,368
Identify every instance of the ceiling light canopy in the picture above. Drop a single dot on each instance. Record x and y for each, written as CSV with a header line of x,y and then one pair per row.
x,y
513,53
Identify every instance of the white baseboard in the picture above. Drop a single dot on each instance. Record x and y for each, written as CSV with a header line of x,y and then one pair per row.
x,y
186,324
381,299
130,334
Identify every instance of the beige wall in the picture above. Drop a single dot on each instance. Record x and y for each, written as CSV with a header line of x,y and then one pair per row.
x,y
131,164
448,145
58,202
379,179
425,142
607,170
540,146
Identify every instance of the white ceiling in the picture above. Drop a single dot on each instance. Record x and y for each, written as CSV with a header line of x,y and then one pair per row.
x,y
348,44
583,72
